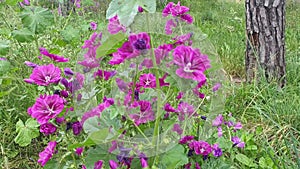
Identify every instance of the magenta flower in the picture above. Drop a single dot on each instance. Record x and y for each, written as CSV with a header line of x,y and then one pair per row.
x,y
186,139
47,128
183,39
237,142
162,81
47,154
46,107
170,24
140,41
177,11
185,110
106,75
30,64
77,3
44,75
96,111
144,163
147,62
218,120
3,58
169,108
197,166
93,25
90,61
60,120
79,151
200,147
217,151
238,126
216,87
77,128
177,129
125,52
113,164
147,80
220,132
114,26
180,95
53,57
146,114
98,164
191,63
68,72
162,52
140,9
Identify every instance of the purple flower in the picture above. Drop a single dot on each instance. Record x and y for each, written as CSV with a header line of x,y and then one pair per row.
x,y
46,107
64,93
162,52
146,114
200,147
229,123
186,139
197,166
191,63
218,120
220,132
79,151
2,58
96,111
125,52
77,128
217,151
144,163
53,57
68,72
182,39
114,26
147,80
140,9
177,129
93,25
185,110
238,126
113,147
140,41
98,164
170,24
77,3
60,120
162,81
169,108
47,128
106,75
237,142
31,64
180,95
47,154
216,87
90,61
147,62
113,164
177,11
44,75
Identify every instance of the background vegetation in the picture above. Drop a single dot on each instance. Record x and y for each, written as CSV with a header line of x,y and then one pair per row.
x,y
271,115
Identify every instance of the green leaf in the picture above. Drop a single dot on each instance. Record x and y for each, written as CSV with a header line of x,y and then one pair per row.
x,y
245,160
125,9
12,2
111,44
4,47
149,5
26,132
70,34
251,147
4,67
224,144
96,154
23,35
36,19
175,157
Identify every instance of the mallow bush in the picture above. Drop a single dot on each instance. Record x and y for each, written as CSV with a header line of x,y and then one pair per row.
x,y
146,93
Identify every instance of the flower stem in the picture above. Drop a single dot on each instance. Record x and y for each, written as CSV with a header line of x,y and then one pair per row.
x,y
155,138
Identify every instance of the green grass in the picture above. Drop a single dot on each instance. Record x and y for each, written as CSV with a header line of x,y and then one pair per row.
x,y
261,106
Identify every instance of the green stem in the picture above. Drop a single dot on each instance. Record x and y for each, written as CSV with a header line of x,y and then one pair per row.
x,y
155,139
37,45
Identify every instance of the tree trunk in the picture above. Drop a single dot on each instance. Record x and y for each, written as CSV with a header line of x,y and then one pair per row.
x,y
265,52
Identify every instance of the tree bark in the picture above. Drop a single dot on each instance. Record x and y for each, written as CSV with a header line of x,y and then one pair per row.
x,y
265,48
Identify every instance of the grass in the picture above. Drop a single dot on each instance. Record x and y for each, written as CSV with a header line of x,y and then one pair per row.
x,y
261,106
